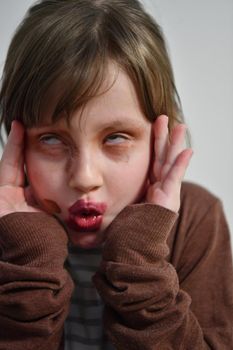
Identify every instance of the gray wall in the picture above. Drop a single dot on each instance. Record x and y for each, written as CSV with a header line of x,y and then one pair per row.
x,y
200,39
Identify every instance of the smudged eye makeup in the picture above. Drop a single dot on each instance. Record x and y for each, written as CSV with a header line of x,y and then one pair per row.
x,y
52,145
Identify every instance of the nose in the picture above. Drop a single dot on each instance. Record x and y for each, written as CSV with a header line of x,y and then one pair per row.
x,y
84,174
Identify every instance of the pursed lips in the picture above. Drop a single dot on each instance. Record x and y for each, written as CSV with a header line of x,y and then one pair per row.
x,y
86,216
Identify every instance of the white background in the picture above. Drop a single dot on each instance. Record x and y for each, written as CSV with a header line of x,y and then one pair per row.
x,y
200,40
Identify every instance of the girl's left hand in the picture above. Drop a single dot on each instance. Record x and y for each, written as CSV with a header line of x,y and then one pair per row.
x,y
170,164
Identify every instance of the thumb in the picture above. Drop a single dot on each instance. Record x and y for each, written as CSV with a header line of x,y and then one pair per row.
x,y
11,165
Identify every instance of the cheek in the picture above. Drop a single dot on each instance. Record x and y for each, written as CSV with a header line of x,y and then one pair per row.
x,y
43,176
128,179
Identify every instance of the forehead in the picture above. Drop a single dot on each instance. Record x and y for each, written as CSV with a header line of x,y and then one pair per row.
x,y
116,100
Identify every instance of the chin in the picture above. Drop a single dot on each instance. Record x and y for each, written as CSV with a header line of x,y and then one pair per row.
x,y
86,240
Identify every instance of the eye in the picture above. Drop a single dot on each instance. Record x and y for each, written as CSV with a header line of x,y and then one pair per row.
x,y
52,140
116,139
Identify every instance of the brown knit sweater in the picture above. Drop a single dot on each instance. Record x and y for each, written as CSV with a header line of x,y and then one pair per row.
x,y
166,279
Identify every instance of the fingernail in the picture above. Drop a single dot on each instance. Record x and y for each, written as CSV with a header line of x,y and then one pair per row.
x,y
12,124
191,154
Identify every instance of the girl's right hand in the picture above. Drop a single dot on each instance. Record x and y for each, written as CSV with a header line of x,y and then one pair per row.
x,y
12,179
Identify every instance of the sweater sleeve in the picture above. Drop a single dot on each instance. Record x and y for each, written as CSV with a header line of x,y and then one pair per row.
x,y
35,288
146,308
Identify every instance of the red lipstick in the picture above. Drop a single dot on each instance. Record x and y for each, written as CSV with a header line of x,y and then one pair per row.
x,y
86,216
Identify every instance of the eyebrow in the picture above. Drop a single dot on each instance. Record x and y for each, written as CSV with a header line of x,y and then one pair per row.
x,y
108,126
119,124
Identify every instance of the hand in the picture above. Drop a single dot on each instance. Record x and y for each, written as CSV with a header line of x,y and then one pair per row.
x,y
12,192
170,164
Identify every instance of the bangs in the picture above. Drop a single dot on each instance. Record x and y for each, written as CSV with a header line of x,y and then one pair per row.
x,y
74,84
59,57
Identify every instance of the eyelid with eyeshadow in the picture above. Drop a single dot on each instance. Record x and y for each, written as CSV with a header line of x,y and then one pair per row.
x,y
115,136
43,138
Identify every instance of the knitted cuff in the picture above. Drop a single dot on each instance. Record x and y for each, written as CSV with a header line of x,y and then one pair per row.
x,y
139,232
33,239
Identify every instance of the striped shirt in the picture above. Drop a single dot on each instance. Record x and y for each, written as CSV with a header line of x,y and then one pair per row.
x,y
84,326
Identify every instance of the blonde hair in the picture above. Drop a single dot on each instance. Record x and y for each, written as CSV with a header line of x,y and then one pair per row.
x,y
64,45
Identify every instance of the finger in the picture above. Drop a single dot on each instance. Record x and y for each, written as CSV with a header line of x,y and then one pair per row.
x,y
160,144
11,165
176,174
175,147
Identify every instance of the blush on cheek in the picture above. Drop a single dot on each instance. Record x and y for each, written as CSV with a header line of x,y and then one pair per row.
x,y
50,206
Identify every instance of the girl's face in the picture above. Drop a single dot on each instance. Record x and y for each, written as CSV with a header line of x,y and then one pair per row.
x,y
95,166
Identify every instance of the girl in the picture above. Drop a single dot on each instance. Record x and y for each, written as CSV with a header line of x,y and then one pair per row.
x,y
94,163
